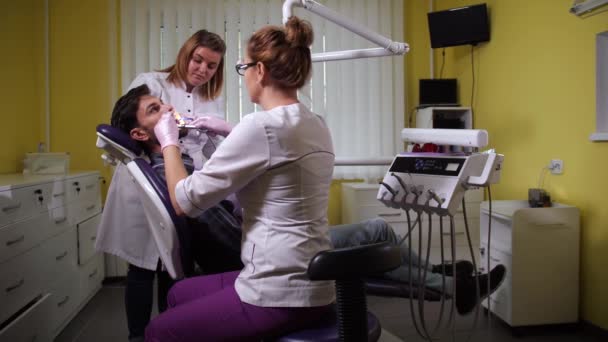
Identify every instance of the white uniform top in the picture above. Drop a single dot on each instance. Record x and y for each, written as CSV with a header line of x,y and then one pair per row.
x,y
280,164
123,230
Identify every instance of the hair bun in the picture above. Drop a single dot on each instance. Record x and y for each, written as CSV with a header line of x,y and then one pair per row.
x,y
298,32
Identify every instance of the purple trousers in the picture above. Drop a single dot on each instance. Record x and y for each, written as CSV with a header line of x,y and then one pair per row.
x,y
207,308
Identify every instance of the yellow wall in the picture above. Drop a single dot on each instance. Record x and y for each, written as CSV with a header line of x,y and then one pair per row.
x,y
22,70
535,94
81,95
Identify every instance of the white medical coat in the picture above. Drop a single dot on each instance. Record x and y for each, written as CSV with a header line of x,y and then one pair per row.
x,y
280,164
124,230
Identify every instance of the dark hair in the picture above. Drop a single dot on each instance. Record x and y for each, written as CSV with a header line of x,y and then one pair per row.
x,y
284,51
124,114
178,71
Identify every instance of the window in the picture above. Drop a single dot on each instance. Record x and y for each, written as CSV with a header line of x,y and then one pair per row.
x,y
601,88
361,100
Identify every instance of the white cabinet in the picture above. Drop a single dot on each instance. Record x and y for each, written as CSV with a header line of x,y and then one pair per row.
x,y
359,203
540,249
48,267
444,117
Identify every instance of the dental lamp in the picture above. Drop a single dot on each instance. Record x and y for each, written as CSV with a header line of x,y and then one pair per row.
x,y
580,8
387,46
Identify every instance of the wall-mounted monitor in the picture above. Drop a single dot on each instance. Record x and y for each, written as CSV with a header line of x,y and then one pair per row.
x,y
459,26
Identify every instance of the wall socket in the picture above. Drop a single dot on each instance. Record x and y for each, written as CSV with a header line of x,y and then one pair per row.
x,y
556,166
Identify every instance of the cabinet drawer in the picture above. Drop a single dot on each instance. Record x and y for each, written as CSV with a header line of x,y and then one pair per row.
x,y
85,188
501,232
364,195
21,236
19,282
91,275
58,221
496,257
64,300
20,203
87,233
31,325
59,255
366,212
58,194
81,211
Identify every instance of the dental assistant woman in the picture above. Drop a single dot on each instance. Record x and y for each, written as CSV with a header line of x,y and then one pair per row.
x,y
192,86
279,161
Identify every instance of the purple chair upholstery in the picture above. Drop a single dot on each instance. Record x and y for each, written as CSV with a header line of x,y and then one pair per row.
x,y
120,138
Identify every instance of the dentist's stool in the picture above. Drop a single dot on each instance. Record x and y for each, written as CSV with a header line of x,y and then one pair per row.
x,y
348,267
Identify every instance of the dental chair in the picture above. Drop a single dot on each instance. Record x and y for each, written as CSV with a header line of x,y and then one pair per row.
x,y
169,230
351,268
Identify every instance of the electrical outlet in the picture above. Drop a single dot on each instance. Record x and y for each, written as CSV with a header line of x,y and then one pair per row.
x,y
556,166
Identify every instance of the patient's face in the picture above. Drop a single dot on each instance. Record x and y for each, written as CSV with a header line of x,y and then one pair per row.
x,y
149,112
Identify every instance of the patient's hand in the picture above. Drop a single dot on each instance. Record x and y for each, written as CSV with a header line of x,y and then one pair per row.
x,y
213,125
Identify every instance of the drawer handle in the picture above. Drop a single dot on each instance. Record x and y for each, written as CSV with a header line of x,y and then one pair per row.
x,y
17,240
89,186
61,256
61,220
93,238
59,194
93,274
14,287
90,207
65,300
389,214
12,207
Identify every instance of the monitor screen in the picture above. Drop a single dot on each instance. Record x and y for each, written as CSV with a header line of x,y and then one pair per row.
x,y
459,26
438,92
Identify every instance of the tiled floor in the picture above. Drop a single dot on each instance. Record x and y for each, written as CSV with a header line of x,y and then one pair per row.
x,y
103,319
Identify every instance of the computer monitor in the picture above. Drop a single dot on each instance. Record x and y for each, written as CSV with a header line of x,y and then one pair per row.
x,y
438,92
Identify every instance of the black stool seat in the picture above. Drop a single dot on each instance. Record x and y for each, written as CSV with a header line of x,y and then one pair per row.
x,y
327,331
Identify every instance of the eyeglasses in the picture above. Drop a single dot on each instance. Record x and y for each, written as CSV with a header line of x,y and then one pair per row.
x,y
241,67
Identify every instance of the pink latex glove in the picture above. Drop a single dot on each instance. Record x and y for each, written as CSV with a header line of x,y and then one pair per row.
x,y
166,131
213,125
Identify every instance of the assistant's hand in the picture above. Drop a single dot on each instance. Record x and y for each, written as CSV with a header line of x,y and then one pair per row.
x,y
166,131
213,125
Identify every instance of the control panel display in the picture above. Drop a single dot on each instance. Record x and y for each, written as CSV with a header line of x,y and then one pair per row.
x,y
428,165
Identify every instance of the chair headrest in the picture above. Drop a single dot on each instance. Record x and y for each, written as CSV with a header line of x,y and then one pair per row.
x,y
117,143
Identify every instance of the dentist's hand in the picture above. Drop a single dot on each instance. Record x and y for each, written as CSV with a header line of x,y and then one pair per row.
x,y
213,125
166,131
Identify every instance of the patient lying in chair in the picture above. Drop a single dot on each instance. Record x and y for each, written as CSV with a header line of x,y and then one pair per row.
x,y
217,233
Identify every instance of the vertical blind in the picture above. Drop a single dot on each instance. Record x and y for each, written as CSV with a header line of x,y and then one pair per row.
x,y
361,100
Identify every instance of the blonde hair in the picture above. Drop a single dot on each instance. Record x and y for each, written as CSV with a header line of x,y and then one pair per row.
x,y
179,71
284,51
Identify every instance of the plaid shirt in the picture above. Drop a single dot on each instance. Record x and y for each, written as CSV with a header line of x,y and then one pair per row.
x,y
223,220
